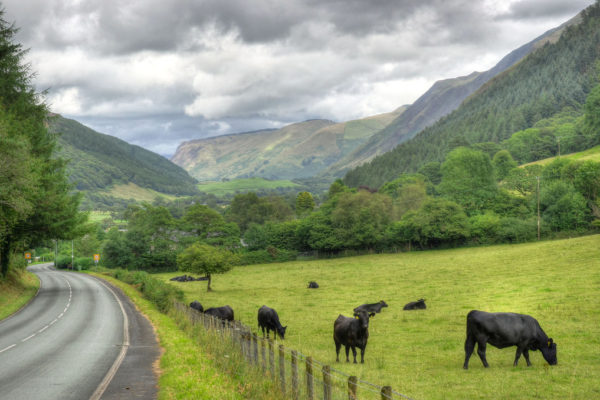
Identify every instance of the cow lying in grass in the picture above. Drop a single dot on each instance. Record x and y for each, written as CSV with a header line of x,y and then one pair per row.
x,y
415,305
504,330
372,308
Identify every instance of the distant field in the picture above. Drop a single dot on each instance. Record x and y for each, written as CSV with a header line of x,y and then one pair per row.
x,y
243,185
133,191
592,154
420,353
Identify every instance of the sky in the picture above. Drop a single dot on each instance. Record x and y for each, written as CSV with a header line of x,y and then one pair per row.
x,y
156,73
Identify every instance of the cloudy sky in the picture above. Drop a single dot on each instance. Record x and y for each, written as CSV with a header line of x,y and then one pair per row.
x,y
159,72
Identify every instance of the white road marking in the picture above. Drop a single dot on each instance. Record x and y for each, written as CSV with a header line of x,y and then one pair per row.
x,y
8,348
61,315
43,329
27,338
52,323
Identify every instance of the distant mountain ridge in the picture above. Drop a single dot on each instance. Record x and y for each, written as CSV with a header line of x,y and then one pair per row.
x,y
299,150
554,78
97,162
440,100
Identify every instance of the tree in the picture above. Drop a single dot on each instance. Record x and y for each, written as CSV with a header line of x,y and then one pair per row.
x,y
304,203
563,207
503,163
468,179
205,259
591,121
47,208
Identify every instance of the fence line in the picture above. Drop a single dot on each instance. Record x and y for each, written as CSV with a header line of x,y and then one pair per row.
x,y
315,380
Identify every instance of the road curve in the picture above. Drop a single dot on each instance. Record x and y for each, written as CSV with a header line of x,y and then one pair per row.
x,y
66,342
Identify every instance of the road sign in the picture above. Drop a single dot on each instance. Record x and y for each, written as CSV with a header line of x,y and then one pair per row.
x,y
28,256
96,257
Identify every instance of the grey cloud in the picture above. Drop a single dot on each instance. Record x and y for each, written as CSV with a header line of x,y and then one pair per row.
x,y
538,9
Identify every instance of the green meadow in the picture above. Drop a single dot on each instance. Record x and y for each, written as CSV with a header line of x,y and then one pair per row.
x,y
243,185
420,353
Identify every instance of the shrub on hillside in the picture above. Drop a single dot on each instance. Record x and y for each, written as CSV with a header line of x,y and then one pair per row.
x,y
63,261
83,263
270,255
158,292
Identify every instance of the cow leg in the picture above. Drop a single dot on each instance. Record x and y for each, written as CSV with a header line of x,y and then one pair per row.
x,y
481,344
354,354
338,345
526,355
469,347
517,355
347,353
362,354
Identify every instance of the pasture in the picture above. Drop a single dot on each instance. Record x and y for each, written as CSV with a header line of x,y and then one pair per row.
x,y
233,186
420,353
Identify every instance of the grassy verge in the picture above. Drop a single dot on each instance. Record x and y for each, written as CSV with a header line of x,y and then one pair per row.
x,y
420,353
243,185
16,291
195,365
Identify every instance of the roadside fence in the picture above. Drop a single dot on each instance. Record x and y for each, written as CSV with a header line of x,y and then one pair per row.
x,y
297,375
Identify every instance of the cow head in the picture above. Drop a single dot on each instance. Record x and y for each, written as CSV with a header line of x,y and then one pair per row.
x,y
281,331
548,350
363,318
383,303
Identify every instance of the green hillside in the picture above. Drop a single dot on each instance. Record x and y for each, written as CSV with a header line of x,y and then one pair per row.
x,y
556,77
592,154
99,162
421,353
300,150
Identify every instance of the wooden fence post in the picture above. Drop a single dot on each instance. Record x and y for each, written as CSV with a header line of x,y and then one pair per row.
x,y
294,374
282,368
263,354
309,378
326,382
386,393
271,359
255,348
352,387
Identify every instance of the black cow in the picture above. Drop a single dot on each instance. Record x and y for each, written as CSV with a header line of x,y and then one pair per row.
x,y
268,318
225,313
197,306
371,308
352,333
416,305
507,329
313,285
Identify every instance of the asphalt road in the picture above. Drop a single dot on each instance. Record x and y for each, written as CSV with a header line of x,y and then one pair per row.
x,y
77,339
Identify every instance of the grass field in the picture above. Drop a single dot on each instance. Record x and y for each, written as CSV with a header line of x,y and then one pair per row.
x,y
243,185
420,353
133,191
592,154
16,290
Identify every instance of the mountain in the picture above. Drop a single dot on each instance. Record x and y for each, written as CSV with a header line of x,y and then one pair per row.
x,y
441,99
99,162
295,151
554,78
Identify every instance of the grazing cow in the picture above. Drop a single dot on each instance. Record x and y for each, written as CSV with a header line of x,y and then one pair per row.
x,y
197,306
507,329
416,305
313,285
268,318
225,313
352,333
371,308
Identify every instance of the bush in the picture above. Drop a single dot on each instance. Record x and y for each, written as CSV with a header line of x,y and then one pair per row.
x,y
63,261
83,263
158,292
270,255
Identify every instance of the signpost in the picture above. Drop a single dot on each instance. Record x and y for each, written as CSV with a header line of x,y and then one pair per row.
x,y
28,257
96,259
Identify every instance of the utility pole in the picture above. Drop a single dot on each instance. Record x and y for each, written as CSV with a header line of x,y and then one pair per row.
x,y
74,265
538,207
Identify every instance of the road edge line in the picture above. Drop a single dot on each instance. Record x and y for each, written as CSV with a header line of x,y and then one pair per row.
x,y
113,369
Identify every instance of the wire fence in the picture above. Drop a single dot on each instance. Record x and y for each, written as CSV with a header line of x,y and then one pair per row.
x,y
297,375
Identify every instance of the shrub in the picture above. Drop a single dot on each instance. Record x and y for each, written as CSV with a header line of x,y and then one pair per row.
x,y
270,255
83,263
158,292
63,261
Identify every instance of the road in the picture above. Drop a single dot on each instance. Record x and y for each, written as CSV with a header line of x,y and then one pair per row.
x,y
70,340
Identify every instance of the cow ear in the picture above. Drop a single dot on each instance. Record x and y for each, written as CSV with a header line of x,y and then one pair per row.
x,y
550,341
372,315
356,316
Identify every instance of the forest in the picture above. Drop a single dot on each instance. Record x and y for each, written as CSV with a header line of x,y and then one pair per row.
x,y
544,92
